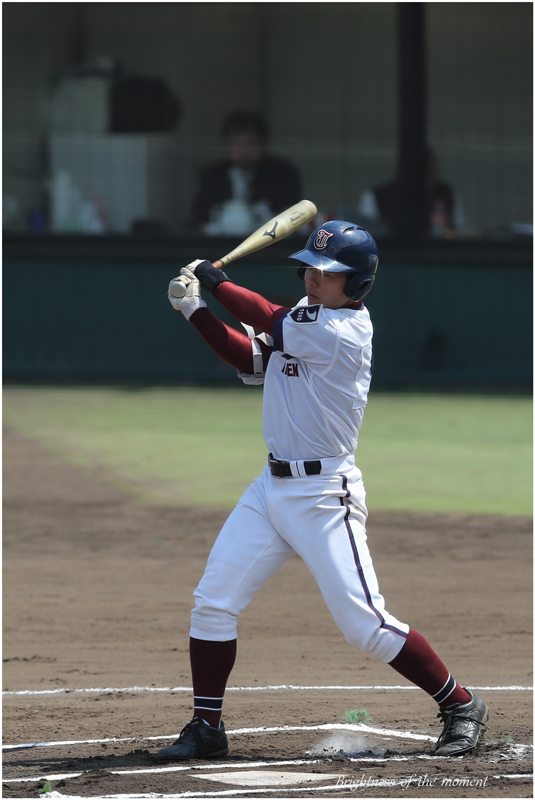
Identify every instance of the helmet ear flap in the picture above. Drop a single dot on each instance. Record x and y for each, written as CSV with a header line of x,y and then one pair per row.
x,y
301,271
358,286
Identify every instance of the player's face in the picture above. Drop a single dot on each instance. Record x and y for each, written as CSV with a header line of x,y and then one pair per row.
x,y
326,288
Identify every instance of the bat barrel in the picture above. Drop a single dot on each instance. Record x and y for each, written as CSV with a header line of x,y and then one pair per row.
x,y
276,229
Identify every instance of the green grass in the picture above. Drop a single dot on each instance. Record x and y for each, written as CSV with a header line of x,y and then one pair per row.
x,y
447,453
355,715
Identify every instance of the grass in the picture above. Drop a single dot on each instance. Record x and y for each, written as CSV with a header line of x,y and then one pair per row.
x,y
443,453
448,453
355,715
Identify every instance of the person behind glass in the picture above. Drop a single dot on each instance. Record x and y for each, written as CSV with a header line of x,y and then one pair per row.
x,y
378,206
247,187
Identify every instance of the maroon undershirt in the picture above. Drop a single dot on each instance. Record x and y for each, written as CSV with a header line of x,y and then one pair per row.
x,y
249,307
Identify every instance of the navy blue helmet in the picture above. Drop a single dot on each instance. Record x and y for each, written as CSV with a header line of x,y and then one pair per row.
x,y
338,246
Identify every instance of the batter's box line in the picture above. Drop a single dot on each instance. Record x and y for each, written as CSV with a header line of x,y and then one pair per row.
x,y
280,790
238,766
329,726
269,688
360,727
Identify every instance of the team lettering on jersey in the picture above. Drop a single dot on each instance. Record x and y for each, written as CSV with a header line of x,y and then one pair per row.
x,y
291,369
306,314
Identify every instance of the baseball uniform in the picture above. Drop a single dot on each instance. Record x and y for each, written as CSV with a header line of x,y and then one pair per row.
x,y
315,361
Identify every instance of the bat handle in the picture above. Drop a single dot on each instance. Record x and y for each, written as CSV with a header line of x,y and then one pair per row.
x,y
177,288
218,264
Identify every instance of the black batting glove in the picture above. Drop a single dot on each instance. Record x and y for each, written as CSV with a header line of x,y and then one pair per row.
x,y
208,276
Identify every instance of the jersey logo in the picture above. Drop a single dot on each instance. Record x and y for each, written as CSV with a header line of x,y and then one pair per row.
x,y
322,239
291,370
305,313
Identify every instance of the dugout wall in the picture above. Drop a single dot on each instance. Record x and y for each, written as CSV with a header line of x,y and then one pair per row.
x,y
96,310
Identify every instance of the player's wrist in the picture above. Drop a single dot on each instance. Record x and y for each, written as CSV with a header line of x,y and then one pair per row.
x,y
191,306
209,276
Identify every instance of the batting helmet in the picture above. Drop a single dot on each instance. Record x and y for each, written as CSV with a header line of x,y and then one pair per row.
x,y
339,246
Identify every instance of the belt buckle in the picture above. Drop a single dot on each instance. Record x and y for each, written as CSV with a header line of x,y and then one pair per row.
x,y
273,465
277,467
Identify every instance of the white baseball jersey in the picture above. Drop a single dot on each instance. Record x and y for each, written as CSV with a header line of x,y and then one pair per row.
x,y
316,385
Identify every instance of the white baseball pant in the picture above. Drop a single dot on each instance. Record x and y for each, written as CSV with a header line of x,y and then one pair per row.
x,y
322,519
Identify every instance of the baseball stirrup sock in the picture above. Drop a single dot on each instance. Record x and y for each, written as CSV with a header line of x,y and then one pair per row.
x,y
209,708
211,665
418,662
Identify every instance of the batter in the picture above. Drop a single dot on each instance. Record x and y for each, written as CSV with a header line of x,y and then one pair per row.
x,y
315,362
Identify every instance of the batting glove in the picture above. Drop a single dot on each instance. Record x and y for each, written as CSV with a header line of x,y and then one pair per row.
x,y
192,300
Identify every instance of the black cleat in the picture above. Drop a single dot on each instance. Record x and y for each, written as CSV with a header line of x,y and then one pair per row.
x,y
197,740
463,726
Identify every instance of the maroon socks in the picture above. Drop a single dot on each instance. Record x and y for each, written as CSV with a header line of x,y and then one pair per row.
x,y
419,663
211,665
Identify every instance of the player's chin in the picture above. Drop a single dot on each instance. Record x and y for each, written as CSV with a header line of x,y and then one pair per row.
x,y
312,299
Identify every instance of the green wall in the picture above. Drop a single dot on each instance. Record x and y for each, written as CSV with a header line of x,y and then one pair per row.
x,y
95,320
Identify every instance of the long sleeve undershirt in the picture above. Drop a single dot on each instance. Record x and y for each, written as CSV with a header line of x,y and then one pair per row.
x,y
249,307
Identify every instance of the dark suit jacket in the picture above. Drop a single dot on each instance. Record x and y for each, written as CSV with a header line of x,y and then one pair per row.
x,y
387,201
274,180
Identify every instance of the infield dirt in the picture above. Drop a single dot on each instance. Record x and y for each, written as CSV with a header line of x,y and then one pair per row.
x,y
97,595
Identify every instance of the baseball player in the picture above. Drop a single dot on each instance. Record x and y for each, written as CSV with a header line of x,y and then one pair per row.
x,y
315,363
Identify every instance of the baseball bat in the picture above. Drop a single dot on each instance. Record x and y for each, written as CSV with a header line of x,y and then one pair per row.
x,y
275,229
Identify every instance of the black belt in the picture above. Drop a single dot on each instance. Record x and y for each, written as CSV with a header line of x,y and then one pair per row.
x,y
282,469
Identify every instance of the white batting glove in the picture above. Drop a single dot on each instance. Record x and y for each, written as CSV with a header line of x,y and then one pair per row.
x,y
187,273
192,300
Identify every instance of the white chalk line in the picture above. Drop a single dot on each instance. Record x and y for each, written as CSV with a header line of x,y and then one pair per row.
x,y
377,783
345,727
235,792
361,727
380,783
254,764
281,687
155,770
330,726
297,762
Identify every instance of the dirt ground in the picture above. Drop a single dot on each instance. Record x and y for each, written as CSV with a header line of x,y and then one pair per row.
x,y
96,596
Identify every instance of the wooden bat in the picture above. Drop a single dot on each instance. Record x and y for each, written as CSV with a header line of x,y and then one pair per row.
x,y
277,228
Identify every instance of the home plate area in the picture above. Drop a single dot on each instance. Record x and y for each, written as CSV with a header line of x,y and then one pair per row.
x,y
329,760
264,777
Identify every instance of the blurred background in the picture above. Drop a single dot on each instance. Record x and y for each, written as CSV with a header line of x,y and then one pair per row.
x,y
138,136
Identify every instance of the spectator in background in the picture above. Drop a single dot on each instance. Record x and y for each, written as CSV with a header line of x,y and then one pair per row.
x,y
378,206
249,186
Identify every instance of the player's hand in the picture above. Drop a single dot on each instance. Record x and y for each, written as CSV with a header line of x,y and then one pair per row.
x,y
187,273
192,299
